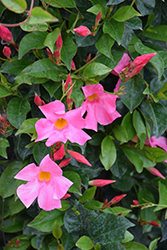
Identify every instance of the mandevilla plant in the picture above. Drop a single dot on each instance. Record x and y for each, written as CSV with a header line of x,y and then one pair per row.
x,y
83,120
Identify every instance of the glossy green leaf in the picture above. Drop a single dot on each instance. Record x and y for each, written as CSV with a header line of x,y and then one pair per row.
x,y
28,126
68,51
23,245
16,206
156,116
114,29
145,6
85,243
128,125
22,148
40,151
140,128
125,183
156,32
156,61
4,91
119,210
128,237
75,178
95,9
17,111
38,15
88,194
57,231
124,13
135,246
44,221
120,133
119,167
104,44
77,94
18,6
134,92
4,143
62,3
34,27
156,154
96,69
106,145
51,39
114,2
13,224
162,189
134,23
45,68
108,159
34,40
153,244
7,181
2,8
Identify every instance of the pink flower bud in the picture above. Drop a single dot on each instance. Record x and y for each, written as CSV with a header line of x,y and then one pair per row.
x,y
98,18
57,56
100,182
78,157
154,223
155,171
64,163
59,42
88,58
66,196
17,241
73,65
60,153
135,202
38,101
6,51
82,31
50,55
116,199
5,34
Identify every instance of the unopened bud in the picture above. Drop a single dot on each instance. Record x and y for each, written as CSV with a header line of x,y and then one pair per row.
x,y
78,157
116,199
135,203
60,153
38,101
100,182
6,34
66,196
82,31
64,163
73,65
57,56
6,51
154,223
59,42
155,171
98,18
88,58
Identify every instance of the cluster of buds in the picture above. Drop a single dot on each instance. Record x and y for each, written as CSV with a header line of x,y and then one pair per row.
x,y
7,36
115,200
14,244
4,125
38,101
68,88
133,68
57,52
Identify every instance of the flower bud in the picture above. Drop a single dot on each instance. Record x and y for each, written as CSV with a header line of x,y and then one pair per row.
x,y
155,171
59,42
38,101
73,65
98,18
88,58
82,31
57,56
100,182
135,203
154,223
66,196
6,51
78,157
116,199
64,163
6,34
60,153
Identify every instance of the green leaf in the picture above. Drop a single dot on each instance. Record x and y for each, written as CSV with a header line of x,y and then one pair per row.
x,y
17,6
38,15
125,183
124,13
128,125
34,40
134,88
28,126
114,2
45,219
45,68
135,23
96,69
119,210
156,154
23,245
120,133
157,32
51,39
17,111
95,9
106,145
3,145
75,178
114,29
145,6
34,27
13,224
156,61
127,237
2,8
119,167
162,189
93,205
85,243
88,194
16,206
108,159
156,116
135,246
22,150
68,51
77,94
153,244
7,181
62,3
140,128
104,44
4,91
57,232
40,151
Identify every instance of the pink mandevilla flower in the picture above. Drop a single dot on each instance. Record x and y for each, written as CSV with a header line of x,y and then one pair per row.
x,y
100,106
61,126
45,182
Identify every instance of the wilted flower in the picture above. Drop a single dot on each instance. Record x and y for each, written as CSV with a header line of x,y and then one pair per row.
x,y
44,182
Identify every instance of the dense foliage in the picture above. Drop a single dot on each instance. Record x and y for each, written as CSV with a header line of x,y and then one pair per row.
x,y
83,85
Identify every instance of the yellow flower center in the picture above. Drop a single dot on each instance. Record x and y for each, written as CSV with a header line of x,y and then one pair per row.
x,y
61,123
44,176
93,97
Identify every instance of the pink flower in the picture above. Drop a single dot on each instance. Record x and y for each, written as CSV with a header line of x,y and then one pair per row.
x,y
45,182
82,31
6,34
6,51
61,126
100,182
100,106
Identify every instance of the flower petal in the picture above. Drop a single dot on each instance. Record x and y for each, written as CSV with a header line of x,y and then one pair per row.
x,y
44,128
61,186
47,165
52,108
77,135
28,173
46,200
91,89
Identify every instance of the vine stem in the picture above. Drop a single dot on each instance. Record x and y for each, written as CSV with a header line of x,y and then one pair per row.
x,y
18,24
133,2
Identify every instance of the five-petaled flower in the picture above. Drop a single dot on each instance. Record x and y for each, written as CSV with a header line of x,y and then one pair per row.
x,y
100,106
45,182
61,126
